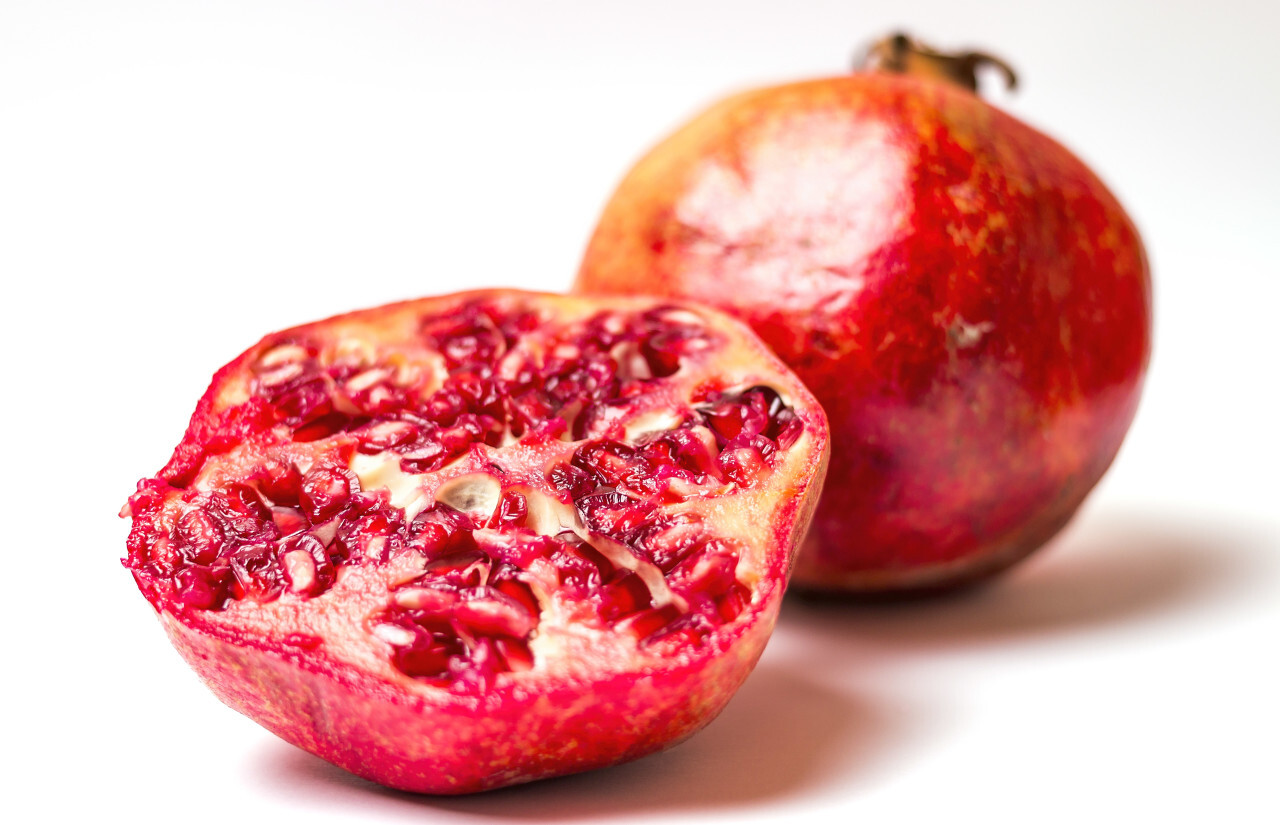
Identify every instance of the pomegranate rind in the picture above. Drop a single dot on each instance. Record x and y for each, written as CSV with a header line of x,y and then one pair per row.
x,y
306,666
967,300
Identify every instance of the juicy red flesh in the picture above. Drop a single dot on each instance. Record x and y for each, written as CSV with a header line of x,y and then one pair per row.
x,y
288,530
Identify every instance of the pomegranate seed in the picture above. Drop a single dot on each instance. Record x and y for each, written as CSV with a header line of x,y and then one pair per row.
x,y
732,603
197,538
613,514
325,492
303,403
744,459
786,429
495,617
649,622
280,482
436,598
242,513
519,592
258,575
428,657
710,573
466,569
512,511
202,588
514,654
385,435
306,564
580,565
668,542
627,594
574,481
323,427
289,520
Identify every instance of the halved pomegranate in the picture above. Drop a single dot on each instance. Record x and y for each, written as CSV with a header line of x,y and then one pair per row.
x,y
475,540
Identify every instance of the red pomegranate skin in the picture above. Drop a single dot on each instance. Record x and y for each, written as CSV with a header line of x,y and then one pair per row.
x,y
967,300
309,664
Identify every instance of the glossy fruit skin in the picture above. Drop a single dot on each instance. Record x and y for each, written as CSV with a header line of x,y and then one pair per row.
x,y
965,297
306,669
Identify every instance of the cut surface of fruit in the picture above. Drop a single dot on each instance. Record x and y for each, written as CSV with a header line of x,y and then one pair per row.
x,y
474,540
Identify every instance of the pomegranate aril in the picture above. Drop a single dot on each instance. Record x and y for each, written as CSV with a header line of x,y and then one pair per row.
x,y
289,520
323,427
432,598
615,464
370,529
728,420
601,418
366,380
649,622
280,482
479,395
488,614
307,567
202,588
613,513
303,403
325,492
786,429
512,511
574,481
424,456
580,565
197,538
744,460
686,631
428,658
709,573
732,603
468,338
386,435
662,354
519,592
241,512
466,569
625,595
440,529
668,542
284,352
533,411
282,376
687,451
257,572
515,654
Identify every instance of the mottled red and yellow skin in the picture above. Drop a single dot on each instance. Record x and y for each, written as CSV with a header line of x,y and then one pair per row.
x,y
966,299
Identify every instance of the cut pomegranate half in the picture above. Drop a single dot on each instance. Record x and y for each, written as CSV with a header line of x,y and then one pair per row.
x,y
469,541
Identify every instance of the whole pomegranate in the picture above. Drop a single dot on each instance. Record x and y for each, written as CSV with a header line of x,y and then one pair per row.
x,y
469,541
966,299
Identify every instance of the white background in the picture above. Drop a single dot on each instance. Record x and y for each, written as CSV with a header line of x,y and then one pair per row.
x,y
178,178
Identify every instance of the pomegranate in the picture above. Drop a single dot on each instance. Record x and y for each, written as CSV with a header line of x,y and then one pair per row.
x,y
967,300
475,540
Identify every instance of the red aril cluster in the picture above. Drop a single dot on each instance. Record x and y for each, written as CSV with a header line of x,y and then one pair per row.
x,y
489,525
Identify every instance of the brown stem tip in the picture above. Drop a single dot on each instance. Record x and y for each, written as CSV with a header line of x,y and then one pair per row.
x,y
902,54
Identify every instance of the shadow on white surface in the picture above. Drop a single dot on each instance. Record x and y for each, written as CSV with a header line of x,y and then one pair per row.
x,y
1103,574
786,735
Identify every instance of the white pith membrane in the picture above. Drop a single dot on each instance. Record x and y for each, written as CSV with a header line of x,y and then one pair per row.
x,y
371,613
